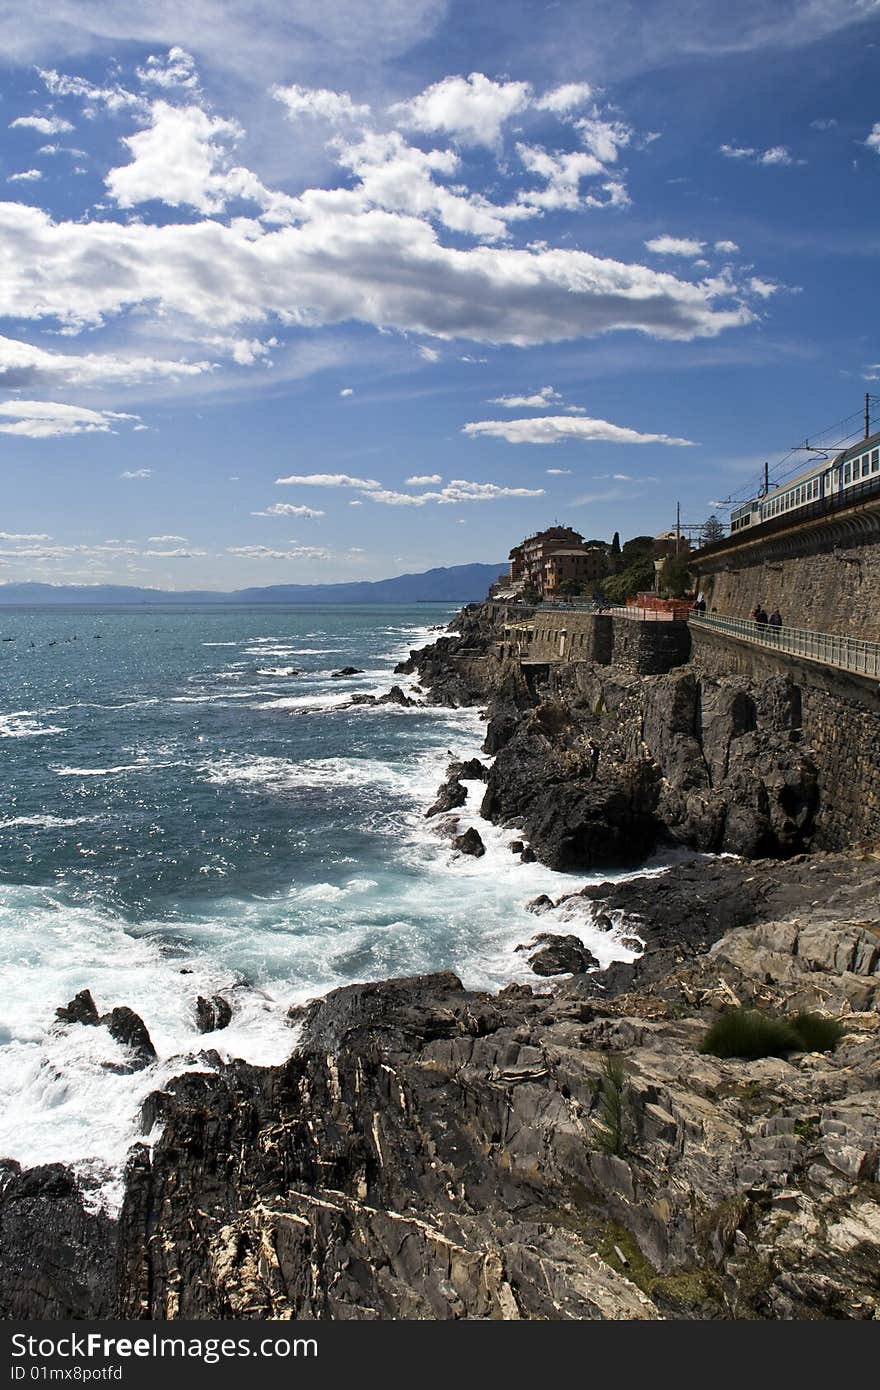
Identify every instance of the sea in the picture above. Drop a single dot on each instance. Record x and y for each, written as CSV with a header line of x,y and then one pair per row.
x,y
190,806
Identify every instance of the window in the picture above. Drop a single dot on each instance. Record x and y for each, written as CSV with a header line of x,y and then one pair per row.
x,y
847,468
875,461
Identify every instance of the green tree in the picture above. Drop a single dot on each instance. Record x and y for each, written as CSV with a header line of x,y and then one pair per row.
x,y
712,530
634,549
570,587
637,578
675,580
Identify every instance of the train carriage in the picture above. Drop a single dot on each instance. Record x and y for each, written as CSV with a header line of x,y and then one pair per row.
x,y
853,473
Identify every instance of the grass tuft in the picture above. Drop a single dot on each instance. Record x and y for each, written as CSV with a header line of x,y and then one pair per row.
x,y
750,1034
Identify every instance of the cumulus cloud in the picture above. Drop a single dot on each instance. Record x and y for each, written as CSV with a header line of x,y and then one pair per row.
x,y
321,103
26,176
137,473
428,354
604,138
113,98
23,365
726,248
675,246
46,125
472,110
457,491
873,140
176,554
779,154
563,174
556,429
327,480
23,536
47,419
346,391
390,271
176,68
169,540
558,472
776,156
176,160
546,396
423,479
288,509
564,98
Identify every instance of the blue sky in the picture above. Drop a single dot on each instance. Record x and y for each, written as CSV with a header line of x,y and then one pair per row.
x,y
298,292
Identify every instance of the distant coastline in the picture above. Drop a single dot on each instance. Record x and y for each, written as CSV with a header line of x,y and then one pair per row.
x,y
454,584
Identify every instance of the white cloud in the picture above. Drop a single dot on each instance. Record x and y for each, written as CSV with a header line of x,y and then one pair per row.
x,y
555,429
777,155
265,552
428,354
176,554
137,473
564,98
23,365
563,173
726,248
423,479
873,140
675,246
539,401
604,138
764,289
23,536
327,480
26,176
175,160
321,103
558,472
176,68
46,125
457,491
378,268
346,391
160,540
113,98
46,419
470,109
288,509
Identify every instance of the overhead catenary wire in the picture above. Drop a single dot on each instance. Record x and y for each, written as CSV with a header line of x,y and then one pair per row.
x,y
828,441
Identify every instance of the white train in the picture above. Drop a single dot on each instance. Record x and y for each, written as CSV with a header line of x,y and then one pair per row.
x,y
853,474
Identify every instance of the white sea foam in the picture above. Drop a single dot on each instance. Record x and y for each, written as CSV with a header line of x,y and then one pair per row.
x,y
46,822
144,766
25,725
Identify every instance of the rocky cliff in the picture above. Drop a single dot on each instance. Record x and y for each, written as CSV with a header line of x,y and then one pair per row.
x,y
431,1152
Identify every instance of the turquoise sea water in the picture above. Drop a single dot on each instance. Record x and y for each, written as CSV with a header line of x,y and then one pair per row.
x,y
187,807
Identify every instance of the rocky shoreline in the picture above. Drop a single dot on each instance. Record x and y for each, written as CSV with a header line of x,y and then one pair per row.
x,y
432,1152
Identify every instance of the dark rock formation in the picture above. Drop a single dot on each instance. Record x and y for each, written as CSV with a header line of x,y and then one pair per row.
x,y
470,843
431,1152
213,1014
559,955
128,1028
451,795
81,1009
471,770
346,671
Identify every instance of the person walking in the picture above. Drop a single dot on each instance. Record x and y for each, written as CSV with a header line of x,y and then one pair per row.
x,y
774,622
760,617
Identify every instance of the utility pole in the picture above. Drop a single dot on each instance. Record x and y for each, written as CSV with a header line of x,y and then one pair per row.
x,y
677,528
766,479
867,414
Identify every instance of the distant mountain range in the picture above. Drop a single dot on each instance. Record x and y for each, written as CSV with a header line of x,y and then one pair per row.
x,y
457,584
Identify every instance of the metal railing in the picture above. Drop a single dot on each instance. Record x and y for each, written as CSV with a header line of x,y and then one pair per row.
x,y
847,653
609,610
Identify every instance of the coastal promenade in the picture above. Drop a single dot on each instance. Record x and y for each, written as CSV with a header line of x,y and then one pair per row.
x,y
853,654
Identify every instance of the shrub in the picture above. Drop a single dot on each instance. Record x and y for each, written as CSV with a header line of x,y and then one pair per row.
x,y
610,1126
817,1033
749,1034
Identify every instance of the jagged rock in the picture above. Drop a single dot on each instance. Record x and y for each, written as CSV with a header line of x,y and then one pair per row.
x,y
528,855
471,770
346,671
450,796
539,905
516,846
213,1014
395,696
128,1028
81,1009
559,955
470,843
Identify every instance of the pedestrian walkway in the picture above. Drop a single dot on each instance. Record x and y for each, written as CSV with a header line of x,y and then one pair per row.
x,y
846,653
